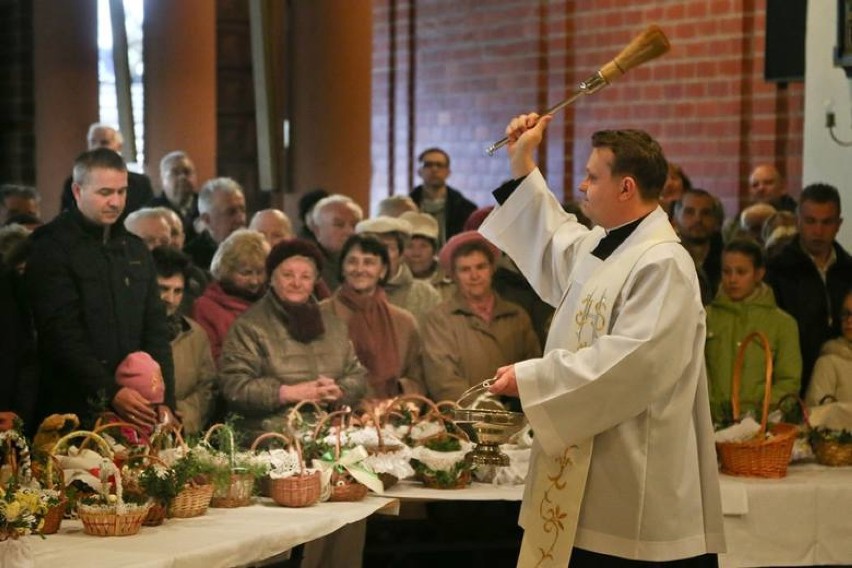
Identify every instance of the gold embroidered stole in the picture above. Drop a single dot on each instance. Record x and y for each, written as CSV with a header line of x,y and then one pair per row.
x,y
556,483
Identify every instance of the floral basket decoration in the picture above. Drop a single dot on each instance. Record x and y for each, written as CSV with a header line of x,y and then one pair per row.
x,y
147,476
388,456
106,513
766,451
23,505
192,475
233,472
343,467
439,453
831,432
291,484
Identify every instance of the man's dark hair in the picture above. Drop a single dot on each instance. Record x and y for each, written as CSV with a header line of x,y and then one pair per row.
x,y
636,155
821,193
678,205
169,261
748,247
102,158
429,151
368,245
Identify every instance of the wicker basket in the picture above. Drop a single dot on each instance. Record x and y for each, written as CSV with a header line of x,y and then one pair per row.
x,y
300,490
100,523
345,488
761,456
462,481
192,501
118,519
833,453
238,493
241,486
54,516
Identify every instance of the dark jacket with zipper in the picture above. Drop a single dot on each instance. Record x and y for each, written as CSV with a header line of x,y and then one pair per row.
x,y
94,296
800,291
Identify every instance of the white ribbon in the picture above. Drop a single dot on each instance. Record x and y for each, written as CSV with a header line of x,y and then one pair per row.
x,y
352,461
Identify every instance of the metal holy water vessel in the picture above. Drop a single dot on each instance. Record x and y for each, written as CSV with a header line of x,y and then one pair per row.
x,y
488,428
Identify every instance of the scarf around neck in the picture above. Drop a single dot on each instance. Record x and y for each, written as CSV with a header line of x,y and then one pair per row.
x,y
372,333
302,321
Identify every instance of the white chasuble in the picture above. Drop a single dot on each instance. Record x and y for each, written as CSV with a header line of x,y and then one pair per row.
x,y
623,366
556,482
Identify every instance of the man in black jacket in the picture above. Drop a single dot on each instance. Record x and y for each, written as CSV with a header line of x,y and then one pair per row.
x,y
94,296
139,191
446,204
811,275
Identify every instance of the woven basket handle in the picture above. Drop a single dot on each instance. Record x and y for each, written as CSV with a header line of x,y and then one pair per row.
x,y
13,450
102,444
294,443
738,371
104,426
229,432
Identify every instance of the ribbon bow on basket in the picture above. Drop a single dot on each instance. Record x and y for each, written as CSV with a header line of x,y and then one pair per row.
x,y
343,468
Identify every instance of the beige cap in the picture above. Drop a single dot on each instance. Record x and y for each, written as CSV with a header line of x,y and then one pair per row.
x,y
422,224
383,224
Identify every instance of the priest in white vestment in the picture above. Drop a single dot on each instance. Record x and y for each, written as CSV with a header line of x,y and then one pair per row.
x,y
624,467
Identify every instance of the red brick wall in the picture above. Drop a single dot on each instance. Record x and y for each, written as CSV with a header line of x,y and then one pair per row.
x,y
477,64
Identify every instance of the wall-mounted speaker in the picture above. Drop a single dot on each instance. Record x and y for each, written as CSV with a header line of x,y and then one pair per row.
x,y
786,23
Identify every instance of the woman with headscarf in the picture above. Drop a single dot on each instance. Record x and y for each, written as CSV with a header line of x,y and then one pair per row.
x,y
386,338
467,337
287,348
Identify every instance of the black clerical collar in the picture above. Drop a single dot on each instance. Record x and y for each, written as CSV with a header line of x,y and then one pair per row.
x,y
615,237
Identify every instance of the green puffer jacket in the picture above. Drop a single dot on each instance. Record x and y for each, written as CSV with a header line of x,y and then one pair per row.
x,y
728,323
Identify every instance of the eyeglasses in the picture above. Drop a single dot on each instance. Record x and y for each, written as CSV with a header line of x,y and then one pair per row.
x,y
440,165
845,314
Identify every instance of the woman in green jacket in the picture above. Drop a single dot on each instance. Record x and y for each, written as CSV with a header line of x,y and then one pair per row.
x,y
745,304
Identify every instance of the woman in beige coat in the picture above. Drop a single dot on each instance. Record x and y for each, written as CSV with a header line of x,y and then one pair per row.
x,y
385,336
466,338
286,348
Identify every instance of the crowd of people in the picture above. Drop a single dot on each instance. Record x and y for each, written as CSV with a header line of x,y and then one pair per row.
x,y
247,315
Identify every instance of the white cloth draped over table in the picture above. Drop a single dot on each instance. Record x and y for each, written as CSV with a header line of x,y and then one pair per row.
x,y
637,385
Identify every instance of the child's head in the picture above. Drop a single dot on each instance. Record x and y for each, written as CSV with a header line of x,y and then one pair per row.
x,y
742,268
846,316
141,373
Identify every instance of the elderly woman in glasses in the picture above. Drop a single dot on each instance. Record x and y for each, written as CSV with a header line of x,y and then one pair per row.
x,y
287,348
239,276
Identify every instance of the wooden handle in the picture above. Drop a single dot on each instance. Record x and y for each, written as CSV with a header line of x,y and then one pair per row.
x,y
767,377
648,45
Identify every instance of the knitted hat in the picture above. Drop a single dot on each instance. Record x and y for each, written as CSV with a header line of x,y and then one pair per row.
x,y
141,373
422,224
445,257
293,247
382,225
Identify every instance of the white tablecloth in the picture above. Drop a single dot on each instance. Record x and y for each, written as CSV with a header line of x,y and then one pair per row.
x,y
803,519
222,537
415,491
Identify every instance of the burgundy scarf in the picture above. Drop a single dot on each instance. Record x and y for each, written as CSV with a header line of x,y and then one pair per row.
x,y
302,321
372,332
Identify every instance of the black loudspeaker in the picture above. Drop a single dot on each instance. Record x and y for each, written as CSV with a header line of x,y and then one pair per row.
x,y
786,22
